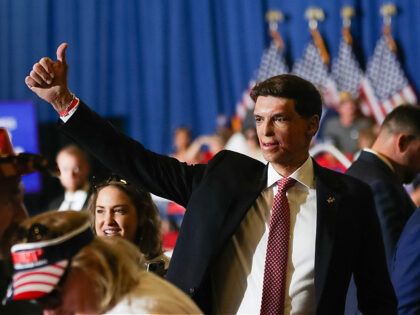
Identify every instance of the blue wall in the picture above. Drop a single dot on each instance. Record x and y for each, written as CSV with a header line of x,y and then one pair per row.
x,y
164,63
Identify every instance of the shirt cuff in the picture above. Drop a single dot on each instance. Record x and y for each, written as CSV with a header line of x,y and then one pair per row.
x,y
73,110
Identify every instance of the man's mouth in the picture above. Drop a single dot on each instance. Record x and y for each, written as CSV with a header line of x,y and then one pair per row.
x,y
269,145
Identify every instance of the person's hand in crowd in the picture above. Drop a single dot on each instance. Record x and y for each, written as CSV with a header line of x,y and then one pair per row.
x,y
48,79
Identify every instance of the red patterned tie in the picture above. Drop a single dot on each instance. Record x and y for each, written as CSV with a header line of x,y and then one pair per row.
x,y
274,286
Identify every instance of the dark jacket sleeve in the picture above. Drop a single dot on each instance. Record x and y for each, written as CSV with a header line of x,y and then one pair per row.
x,y
405,274
161,175
393,214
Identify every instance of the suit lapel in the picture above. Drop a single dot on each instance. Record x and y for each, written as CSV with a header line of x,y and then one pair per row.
x,y
327,207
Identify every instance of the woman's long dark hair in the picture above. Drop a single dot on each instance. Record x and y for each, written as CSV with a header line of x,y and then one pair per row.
x,y
148,230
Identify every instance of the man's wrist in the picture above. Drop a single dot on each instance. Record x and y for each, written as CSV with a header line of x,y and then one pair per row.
x,y
65,116
62,102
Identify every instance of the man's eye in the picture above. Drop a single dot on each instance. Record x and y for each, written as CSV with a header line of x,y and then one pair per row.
x,y
258,119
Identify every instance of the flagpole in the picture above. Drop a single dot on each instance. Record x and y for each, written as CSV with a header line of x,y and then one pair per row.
x,y
387,11
313,15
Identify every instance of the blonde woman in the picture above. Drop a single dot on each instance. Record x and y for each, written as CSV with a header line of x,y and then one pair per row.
x,y
59,262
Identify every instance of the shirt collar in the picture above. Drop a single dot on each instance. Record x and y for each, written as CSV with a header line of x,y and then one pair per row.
x,y
81,193
382,157
304,174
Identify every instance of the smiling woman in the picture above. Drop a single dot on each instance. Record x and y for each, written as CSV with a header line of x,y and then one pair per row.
x,y
118,208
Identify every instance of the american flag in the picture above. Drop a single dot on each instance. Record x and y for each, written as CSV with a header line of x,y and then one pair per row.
x,y
346,70
385,85
35,283
272,64
312,68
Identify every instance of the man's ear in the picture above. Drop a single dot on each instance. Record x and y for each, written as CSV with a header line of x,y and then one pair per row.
x,y
313,125
403,141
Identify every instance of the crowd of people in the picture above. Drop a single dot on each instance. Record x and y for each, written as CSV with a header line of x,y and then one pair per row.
x,y
265,229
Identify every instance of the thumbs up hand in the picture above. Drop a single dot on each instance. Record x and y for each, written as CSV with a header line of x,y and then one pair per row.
x,y
48,79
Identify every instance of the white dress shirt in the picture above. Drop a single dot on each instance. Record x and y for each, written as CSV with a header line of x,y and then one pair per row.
x,y
74,200
237,288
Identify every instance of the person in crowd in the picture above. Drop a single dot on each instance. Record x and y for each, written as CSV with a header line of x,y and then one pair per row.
x,y
343,130
393,160
182,141
59,262
253,145
204,148
13,212
245,141
405,271
367,137
74,167
118,208
233,245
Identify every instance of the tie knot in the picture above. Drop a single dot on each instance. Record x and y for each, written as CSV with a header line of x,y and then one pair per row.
x,y
285,183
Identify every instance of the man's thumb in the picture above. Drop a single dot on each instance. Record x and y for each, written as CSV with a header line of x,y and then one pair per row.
x,y
61,52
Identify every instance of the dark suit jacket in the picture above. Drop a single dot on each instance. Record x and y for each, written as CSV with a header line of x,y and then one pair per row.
x,y
405,273
393,205
217,197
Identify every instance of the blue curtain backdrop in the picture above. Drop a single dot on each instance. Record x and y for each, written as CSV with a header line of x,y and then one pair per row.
x,y
164,63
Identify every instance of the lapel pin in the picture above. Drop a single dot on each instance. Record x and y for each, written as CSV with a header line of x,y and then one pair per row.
x,y
331,200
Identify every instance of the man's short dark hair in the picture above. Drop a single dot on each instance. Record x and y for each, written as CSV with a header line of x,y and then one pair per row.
x,y
403,119
308,101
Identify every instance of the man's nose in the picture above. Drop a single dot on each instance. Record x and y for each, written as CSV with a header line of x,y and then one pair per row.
x,y
267,128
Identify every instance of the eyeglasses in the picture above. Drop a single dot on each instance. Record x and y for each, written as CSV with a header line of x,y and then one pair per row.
x,y
99,182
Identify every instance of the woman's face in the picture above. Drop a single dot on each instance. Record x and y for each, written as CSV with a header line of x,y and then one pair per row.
x,y
115,214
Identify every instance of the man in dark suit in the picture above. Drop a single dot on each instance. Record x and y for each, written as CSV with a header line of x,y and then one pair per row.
x,y
220,257
405,271
74,167
393,160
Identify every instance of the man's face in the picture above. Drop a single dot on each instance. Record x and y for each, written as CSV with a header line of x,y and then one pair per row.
x,y
74,171
347,109
12,211
283,134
